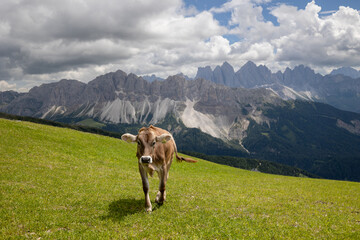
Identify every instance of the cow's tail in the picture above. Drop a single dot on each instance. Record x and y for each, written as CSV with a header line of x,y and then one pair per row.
x,y
180,158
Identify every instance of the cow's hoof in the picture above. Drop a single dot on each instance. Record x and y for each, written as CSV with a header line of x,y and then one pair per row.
x,y
160,198
149,210
160,203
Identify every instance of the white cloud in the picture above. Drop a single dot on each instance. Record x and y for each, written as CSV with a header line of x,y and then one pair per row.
x,y
5,86
307,38
258,52
49,40
302,36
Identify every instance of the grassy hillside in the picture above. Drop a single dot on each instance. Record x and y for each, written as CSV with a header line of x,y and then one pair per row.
x,y
59,183
91,123
192,137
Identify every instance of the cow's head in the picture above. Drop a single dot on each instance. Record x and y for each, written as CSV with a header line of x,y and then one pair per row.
x,y
146,143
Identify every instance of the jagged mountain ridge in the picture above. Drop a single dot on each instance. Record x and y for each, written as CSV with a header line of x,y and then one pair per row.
x,y
346,71
301,82
8,96
119,98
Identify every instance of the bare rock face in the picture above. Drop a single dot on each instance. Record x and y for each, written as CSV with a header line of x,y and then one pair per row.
x,y
39,99
126,98
224,75
8,96
250,76
340,89
353,127
346,71
205,73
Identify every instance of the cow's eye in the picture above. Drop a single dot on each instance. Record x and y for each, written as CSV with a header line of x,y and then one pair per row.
x,y
153,143
139,142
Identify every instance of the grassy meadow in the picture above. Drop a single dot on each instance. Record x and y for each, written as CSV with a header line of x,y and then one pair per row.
x,y
57,183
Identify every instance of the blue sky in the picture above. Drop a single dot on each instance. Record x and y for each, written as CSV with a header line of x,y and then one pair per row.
x,y
45,41
327,7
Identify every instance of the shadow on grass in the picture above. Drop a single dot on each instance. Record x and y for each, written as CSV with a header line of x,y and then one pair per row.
x,y
123,207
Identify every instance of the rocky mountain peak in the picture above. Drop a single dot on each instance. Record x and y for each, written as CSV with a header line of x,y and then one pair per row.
x,y
223,74
249,65
227,66
347,71
205,73
303,69
228,74
8,96
250,75
300,78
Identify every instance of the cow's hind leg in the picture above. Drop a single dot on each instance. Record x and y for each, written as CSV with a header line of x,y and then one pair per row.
x,y
161,195
145,183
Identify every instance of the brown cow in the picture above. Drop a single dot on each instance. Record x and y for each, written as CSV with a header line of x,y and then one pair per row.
x,y
155,151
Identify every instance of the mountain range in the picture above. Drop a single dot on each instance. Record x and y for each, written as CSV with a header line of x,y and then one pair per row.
x,y
346,71
207,117
340,89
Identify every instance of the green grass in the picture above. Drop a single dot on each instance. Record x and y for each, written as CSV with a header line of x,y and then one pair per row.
x,y
91,123
59,183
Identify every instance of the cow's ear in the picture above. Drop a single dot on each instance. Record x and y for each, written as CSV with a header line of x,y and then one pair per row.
x,y
127,137
163,138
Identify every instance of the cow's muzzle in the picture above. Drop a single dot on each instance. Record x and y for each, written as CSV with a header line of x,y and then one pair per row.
x,y
145,159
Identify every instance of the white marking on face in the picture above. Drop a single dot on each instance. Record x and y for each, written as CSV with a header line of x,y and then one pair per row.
x,y
145,159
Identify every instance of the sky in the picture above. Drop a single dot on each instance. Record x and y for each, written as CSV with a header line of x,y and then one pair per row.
x,y
44,41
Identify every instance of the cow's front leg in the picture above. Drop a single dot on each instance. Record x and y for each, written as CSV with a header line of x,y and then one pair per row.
x,y
145,183
161,195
